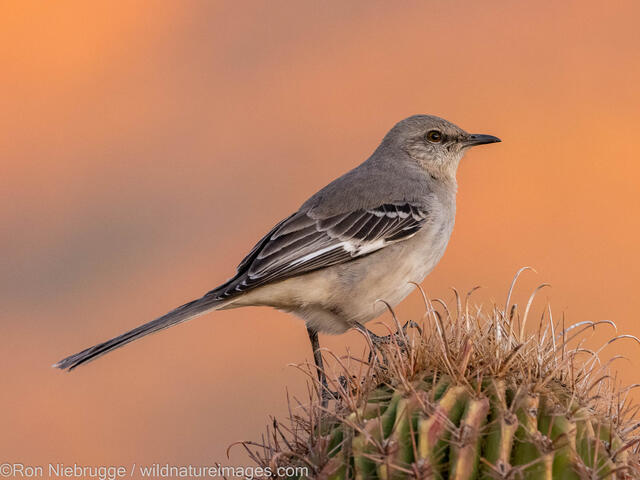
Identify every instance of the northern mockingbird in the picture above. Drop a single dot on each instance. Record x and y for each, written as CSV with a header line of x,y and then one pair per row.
x,y
366,236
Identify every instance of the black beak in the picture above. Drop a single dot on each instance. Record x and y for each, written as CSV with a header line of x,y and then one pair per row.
x,y
480,139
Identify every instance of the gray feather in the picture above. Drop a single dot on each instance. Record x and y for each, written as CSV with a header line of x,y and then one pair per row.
x,y
178,315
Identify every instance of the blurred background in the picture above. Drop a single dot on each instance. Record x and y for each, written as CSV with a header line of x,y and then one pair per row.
x,y
145,147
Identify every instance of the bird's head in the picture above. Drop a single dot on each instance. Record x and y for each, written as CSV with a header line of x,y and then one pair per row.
x,y
434,143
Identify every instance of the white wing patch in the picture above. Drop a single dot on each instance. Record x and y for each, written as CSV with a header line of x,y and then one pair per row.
x,y
356,249
353,248
315,254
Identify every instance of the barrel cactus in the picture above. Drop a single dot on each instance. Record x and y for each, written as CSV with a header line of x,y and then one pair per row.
x,y
468,395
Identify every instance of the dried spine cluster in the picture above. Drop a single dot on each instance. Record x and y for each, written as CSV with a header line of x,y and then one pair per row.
x,y
472,395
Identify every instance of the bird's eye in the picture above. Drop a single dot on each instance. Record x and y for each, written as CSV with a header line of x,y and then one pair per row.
x,y
434,136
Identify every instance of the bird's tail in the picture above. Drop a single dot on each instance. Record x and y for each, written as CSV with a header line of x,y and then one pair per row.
x,y
185,312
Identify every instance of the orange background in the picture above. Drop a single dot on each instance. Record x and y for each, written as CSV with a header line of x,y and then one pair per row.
x,y
146,145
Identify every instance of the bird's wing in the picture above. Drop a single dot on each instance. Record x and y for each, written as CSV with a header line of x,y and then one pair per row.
x,y
302,243
298,244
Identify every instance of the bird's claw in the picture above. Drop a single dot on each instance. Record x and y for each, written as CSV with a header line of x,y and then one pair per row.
x,y
328,395
399,337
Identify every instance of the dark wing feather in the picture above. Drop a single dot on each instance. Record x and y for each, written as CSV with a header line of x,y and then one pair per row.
x,y
301,243
246,261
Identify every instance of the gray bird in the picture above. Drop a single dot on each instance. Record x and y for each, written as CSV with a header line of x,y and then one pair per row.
x,y
364,237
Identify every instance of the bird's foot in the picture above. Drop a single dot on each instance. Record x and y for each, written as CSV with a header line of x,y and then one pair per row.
x,y
328,395
398,338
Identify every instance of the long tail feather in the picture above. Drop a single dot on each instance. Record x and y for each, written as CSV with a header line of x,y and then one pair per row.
x,y
185,312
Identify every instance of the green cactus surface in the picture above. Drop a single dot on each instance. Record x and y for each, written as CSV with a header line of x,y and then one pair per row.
x,y
468,396
441,429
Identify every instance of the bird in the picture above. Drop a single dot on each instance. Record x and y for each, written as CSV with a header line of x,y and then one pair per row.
x,y
367,236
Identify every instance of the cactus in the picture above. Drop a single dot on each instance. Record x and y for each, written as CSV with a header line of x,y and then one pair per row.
x,y
471,395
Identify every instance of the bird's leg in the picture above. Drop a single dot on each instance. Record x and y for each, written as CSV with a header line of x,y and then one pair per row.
x,y
317,357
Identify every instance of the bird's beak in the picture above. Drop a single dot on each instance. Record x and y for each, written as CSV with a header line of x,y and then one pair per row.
x,y
480,139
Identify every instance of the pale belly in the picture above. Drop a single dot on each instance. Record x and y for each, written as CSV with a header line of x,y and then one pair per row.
x,y
389,277
333,299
